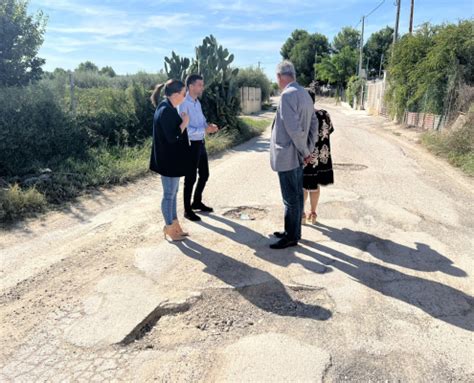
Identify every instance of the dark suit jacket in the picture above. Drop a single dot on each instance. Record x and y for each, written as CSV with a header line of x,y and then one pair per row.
x,y
170,153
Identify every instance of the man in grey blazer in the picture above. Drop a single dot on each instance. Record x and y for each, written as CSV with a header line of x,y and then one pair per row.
x,y
294,134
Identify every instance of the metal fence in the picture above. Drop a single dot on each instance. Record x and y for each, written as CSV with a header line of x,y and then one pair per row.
x,y
424,120
374,104
374,97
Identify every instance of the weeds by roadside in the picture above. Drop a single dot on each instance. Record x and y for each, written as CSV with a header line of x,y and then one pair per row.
x,y
102,166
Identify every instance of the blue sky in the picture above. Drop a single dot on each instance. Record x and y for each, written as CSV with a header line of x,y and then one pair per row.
x,y
136,35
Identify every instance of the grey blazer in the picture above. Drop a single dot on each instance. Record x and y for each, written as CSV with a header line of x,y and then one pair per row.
x,y
295,129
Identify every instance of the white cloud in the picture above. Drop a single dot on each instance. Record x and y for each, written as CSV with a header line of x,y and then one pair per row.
x,y
265,46
78,7
172,22
284,8
252,27
111,29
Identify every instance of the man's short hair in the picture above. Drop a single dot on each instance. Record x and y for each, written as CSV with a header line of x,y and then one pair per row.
x,y
192,78
286,68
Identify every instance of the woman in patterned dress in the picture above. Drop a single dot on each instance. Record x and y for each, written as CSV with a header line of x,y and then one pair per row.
x,y
319,170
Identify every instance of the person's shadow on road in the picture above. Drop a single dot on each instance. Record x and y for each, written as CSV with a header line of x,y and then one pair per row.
x,y
423,258
434,298
259,244
258,287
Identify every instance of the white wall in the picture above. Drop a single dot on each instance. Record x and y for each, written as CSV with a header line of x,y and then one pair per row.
x,y
250,100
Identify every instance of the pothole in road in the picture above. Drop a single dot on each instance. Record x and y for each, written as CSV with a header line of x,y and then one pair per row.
x,y
246,213
222,312
349,166
152,319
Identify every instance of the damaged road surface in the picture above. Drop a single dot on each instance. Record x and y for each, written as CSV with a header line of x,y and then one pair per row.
x,y
380,289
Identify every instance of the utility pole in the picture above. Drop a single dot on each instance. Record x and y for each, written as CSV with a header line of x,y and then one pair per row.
x,y
259,65
397,22
380,68
412,10
361,48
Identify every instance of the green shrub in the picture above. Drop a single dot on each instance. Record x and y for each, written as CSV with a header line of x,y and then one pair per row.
x,y
59,79
104,165
354,87
428,69
256,78
139,97
15,202
107,115
35,131
89,79
456,146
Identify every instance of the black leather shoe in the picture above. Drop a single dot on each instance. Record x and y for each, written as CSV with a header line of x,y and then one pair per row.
x,y
281,234
200,206
192,216
283,244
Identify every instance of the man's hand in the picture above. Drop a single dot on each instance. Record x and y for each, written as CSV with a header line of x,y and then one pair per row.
x,y
212,128
307,160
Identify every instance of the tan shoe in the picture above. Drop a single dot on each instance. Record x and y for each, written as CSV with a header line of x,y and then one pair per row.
x,y
303,219
179,229
313,217
169,231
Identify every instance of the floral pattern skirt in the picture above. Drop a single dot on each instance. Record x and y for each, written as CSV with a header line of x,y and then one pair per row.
x,y
319,170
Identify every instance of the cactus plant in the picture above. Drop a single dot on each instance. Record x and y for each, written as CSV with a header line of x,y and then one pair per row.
x,y
220,100
177,66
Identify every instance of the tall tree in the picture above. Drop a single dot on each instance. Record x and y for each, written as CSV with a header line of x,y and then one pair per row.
x,y
338,68
21,36
429,67
305,50
296,36
87,66
376,50
408,53
347,37
108,70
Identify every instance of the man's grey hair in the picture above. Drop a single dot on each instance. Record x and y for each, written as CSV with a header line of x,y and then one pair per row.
x,y
286,68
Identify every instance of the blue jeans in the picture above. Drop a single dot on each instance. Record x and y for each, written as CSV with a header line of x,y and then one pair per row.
x,y
168,203
291,184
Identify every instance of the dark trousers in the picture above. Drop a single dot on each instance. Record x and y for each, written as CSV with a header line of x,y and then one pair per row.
x,y
199,164
291,184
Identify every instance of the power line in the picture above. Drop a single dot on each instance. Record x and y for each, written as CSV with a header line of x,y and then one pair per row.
x,y
373,10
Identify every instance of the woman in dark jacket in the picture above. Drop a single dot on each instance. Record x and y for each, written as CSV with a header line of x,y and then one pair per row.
x,y
170,153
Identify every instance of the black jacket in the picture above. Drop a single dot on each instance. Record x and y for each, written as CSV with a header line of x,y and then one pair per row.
x,y
170,152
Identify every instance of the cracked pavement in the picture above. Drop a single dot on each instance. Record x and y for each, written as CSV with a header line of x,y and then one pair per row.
x,y
379,290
